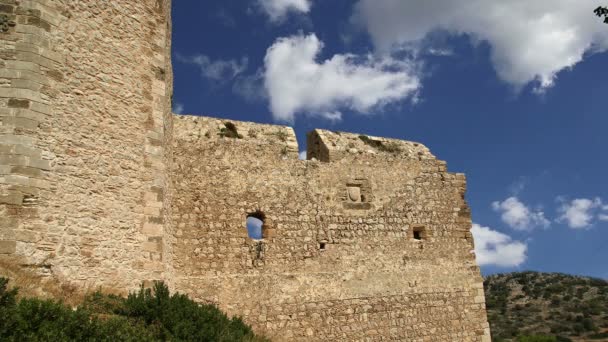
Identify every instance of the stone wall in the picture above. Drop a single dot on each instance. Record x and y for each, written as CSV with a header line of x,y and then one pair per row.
x,y
85,90
369,242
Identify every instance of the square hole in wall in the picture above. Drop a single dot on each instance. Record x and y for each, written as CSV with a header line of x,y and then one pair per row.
x,y
419,233
322,246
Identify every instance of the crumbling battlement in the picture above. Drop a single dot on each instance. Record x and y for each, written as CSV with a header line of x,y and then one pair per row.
x,y
206,129
328,146
101,185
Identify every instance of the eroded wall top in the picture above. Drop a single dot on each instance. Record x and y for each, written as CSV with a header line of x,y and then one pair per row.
x,y
206,129
328,146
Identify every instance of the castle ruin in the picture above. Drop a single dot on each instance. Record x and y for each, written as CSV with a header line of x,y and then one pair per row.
x,y
100,184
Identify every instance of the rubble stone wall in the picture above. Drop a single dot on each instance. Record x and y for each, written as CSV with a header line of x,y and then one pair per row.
x,y
370,242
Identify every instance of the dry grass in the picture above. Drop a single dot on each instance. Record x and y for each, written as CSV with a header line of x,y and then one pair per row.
x,y
33,284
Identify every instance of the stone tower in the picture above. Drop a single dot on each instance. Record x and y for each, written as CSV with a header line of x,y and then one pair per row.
x,y
100,184
85,91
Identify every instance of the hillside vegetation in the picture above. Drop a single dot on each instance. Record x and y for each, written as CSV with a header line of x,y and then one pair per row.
x,y
557,306
148,315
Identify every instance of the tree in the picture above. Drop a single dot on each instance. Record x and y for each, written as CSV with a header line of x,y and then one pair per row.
x,y
602,12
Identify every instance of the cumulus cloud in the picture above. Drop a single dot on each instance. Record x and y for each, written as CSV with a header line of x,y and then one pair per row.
x,y
297,83
531,41
604,216
250,87
277,10
518,216
498,249
217,70
579,213
178,108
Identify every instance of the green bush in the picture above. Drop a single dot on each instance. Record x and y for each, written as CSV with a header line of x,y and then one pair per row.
x,y
148,315
536,338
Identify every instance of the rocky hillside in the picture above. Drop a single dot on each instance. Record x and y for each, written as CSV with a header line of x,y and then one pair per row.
x,y
568,308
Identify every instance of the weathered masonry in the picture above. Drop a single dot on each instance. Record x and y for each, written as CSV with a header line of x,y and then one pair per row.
x,y
100,184
371,240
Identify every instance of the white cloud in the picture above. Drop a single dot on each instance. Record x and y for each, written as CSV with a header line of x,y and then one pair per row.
x,y
250,87
603,216
440,52
518,216
580,212
297,83
332,115
277,10
529,40
518,186
218,70
178,108
302,155
495,248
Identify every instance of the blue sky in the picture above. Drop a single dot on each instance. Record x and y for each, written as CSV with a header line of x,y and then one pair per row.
x,y
511,93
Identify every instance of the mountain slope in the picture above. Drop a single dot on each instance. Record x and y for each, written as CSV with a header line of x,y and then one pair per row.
x,y
531,303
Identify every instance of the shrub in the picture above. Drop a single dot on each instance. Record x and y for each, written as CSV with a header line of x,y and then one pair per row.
x,y
143,316
536,338
390,147
230,131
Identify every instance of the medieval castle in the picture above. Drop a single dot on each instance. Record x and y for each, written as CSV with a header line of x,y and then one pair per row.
x,y
100,184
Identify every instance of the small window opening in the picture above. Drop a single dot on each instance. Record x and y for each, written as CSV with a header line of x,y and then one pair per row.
x,y
255,226
419,233
322,246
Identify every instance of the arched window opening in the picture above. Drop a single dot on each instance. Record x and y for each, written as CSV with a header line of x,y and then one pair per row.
x,y
255,226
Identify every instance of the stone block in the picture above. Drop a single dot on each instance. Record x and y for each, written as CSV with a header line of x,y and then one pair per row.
x,y
41,108
8,247
151,229
18,103
26,236
13,160
39,164
23,65
28,29
152,246
22,123
26,84
10,139
26,171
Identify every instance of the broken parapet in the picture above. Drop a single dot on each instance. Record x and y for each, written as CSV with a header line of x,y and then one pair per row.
x,y
329,146
206,129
